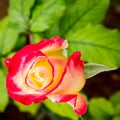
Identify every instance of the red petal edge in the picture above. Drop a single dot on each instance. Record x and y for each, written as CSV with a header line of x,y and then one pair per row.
x,y
16,92
54,43
77,101
43,46
14,66
27,99
72,82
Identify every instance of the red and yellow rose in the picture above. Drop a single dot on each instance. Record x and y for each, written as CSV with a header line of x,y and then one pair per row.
x,y
40,71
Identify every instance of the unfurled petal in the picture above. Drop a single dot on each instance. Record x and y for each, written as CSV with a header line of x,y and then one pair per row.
x,y
46,46
73,76
40,71
54,44
18,83
77,101
59,65
27,99
22,82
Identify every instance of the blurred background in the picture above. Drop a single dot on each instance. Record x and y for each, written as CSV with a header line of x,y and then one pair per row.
x,y
102,85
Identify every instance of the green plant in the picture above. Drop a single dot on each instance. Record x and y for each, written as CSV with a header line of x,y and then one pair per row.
x,y
78,21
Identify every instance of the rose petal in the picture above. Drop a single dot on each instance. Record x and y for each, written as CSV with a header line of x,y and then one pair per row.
x,y
17,74
59,65
53,44
16,77
77,101
14,92
27,99
41,74
73,78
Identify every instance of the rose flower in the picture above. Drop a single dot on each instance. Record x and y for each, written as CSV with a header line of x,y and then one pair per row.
x,y
40,71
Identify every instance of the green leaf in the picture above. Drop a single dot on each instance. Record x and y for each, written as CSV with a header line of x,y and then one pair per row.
x,y
69,2
117,109
21,42
19,12
46,14
92,69
36,38
53,31
115,98
116,118
97,45
100,109
3,92
8,36
82,12
61,109
33,108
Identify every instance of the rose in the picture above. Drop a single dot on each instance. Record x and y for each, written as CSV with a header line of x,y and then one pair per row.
x,y
40,71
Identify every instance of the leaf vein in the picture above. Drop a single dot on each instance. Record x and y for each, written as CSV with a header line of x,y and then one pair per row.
x,y
94,45
79,18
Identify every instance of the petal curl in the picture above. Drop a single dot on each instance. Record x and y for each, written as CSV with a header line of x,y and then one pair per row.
x,y
17,88
46,46
15,81
53,44
77,101
26,99
20,63
73,79
59,65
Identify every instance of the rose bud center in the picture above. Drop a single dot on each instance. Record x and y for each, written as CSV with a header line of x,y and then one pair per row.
x,y
40,74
